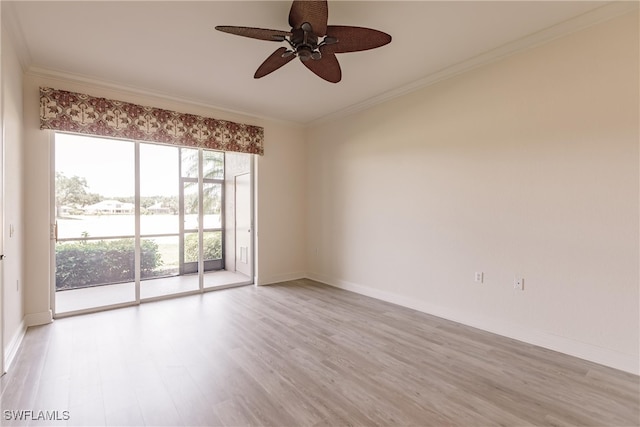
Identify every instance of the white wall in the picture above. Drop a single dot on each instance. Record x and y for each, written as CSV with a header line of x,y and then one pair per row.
x,y
13,225
278,166
526,167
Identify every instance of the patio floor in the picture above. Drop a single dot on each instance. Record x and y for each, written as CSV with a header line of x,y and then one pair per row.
x,y
73,300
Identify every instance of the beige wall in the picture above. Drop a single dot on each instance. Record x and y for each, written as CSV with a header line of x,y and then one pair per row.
x,y
281,200
280,164
13,265
526,167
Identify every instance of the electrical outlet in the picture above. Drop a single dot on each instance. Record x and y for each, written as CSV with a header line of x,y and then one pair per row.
x,y
479,276
518,283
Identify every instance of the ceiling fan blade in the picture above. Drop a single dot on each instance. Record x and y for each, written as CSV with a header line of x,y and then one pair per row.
x,y
354,39
255,33
273,62
315,13
326,67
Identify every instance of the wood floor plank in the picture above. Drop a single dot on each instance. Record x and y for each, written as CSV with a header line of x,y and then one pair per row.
x,y
301,353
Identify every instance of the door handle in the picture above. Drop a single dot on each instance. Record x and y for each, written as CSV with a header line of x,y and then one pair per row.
x,y
1,257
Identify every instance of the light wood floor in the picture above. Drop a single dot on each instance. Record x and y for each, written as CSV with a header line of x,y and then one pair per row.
x,y
301,354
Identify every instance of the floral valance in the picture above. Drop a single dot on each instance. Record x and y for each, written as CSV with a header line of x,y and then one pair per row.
x,y
79,113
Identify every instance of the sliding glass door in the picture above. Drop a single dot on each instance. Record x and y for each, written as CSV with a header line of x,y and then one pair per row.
x,y
139,221
212,213
160,232
94,209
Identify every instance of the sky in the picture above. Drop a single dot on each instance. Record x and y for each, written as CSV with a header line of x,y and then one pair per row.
x,y
108,165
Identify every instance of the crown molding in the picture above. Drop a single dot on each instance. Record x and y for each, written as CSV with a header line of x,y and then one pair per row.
x,y
13,30
91,82
572,25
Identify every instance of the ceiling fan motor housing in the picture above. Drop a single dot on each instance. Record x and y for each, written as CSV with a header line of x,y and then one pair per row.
x,y
305,43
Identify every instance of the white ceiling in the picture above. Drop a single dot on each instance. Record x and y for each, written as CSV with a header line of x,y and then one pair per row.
x,y
172,49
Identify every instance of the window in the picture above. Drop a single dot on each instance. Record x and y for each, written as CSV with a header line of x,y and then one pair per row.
x,y
139,221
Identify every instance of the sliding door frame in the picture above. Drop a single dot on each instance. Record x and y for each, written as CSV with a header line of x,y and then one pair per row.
x,y
54,234
201,181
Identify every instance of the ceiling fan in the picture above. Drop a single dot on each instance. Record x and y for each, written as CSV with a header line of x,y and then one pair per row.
x,y
312,40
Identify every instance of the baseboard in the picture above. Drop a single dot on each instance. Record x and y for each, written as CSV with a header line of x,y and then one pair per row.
x,y
14,345
600,355
35,319
269,280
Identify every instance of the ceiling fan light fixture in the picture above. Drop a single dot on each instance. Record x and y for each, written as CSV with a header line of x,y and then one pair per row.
x,y
304,53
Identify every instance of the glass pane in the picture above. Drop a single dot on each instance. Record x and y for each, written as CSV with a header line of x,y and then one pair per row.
x,y
161,268
94,190
189,162
94,274
93,263
159,185
190,247
213,164
94,198
237,163
159,257
212,245
212,205
190,205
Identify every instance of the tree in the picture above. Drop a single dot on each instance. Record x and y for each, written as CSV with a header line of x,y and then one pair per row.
x,y
72,191
212,168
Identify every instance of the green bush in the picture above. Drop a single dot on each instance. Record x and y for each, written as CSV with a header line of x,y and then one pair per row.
x,y
83,264
212,246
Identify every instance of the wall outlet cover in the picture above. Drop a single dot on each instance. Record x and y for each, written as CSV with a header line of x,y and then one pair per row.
x,y
518,283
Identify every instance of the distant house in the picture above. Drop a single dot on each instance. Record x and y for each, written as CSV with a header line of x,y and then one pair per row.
x,y
110,207
157,209
63,210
